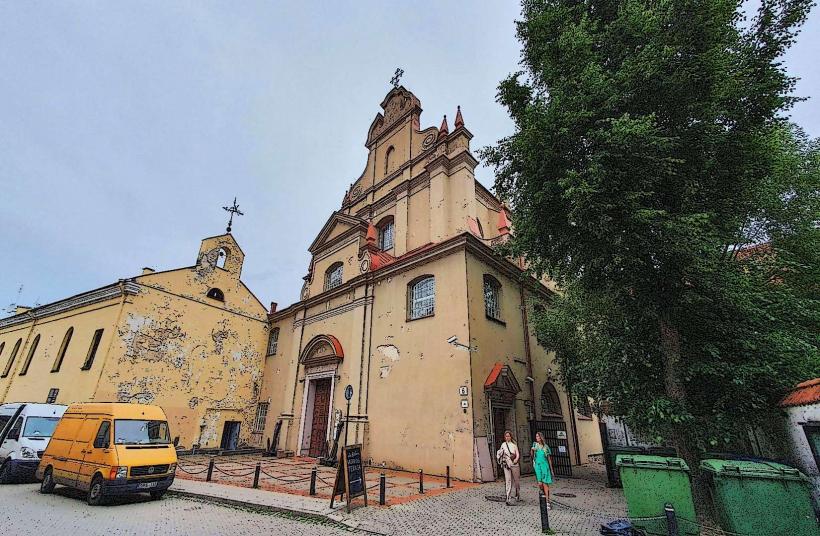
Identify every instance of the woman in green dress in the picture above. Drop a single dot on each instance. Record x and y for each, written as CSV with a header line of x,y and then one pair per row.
x,y
543,465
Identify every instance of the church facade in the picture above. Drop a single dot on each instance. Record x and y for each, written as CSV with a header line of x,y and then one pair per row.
x,y
407,301
190,340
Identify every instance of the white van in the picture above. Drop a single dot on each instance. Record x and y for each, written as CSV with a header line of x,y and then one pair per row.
x,y
25,430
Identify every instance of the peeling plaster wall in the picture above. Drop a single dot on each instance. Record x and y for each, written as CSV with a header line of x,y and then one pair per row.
x,y
415,414
200,359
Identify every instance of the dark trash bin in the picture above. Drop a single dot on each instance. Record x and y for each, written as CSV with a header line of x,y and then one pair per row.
x,y
619,527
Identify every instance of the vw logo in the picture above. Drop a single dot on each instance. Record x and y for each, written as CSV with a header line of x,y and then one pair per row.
x,y
150,470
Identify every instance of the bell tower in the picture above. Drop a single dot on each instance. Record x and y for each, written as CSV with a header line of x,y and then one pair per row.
x,y
220,253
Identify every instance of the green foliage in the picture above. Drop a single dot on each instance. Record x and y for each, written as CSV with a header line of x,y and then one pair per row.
x,y
650,148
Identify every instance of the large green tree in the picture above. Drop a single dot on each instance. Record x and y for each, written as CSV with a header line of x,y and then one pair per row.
x,y
650,151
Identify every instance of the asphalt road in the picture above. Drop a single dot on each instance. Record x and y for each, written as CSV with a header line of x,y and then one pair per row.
x,y
24,511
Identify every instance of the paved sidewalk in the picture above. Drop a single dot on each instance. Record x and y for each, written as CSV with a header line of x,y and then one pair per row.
x,y
580,506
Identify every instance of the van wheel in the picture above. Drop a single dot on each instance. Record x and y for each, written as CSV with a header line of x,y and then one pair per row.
x,y
5,473
95,492
47,485
157,495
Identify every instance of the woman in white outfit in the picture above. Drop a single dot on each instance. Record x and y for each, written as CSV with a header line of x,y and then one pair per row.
x,y
508,457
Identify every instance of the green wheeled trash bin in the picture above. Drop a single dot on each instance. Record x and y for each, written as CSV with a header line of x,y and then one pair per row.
x,y
760,498
652,482
610,457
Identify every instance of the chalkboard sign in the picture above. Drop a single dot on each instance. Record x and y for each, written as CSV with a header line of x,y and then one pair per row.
x,y
350,480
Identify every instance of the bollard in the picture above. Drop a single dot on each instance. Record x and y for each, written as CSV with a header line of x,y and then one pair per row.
x,y
256,475
382,488
671,520
210,470
545,516
421,482
313,482
448,476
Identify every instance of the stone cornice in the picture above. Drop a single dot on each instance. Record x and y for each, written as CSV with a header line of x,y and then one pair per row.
x,y
80,300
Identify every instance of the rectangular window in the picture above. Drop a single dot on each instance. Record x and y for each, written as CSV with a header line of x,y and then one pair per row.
x,y
273,341
92,350
386,236
52,395
423,298
261,416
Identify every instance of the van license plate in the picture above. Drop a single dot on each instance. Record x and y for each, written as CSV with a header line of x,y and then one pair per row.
x,y
147,485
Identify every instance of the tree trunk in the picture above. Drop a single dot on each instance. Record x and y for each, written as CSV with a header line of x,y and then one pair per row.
x,y
675,390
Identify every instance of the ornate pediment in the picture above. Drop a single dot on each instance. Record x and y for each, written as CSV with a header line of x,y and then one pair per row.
x,y
337,225
501,385
396,105
322,350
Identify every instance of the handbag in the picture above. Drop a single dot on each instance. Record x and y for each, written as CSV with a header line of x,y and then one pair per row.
x,y
506,461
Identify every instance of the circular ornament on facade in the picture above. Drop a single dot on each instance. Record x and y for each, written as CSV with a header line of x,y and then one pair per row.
x,y
428,140
364,265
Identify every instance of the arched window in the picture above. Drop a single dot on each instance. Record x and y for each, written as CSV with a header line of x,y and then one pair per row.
x,y
13,354
92,350
389,160
583,407
273,341
421,297
480,228
333,275
221,257
386,233
58,362
216,294
492,297
30,355
550,403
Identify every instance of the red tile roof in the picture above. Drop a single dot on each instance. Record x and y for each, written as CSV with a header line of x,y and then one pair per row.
x,y
805,393
490,381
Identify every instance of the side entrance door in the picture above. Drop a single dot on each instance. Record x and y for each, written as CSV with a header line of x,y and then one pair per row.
x,y
321,410
81,447
230,435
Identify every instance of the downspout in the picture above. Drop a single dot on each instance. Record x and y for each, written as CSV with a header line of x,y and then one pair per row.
x,y
20,352
111,342
577,443
527,350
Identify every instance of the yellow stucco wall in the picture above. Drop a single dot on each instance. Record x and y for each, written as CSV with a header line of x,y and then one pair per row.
x,y
166,343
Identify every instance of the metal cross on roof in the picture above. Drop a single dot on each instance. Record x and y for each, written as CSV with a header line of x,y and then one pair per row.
x,y
233,210
397,77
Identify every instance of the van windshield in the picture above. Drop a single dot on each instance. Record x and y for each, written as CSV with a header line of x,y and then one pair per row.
x,y
140,432
40,426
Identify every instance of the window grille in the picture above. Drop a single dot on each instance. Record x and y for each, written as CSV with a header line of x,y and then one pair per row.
x,y
423,298
52,395
273,341
386,233
550,403
261,416
333,276
492,297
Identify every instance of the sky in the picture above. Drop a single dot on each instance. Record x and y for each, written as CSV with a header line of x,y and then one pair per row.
x,y
125,127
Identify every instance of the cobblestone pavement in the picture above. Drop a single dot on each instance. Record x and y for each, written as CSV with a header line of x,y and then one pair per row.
x,y
25,511
470,512
292,475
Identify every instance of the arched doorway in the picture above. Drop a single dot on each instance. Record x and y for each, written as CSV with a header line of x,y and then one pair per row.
x,y
321,358
554,429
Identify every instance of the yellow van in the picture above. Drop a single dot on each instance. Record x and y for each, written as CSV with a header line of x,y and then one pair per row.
x,y
110,449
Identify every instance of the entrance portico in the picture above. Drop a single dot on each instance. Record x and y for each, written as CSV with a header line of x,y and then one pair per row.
x,y
321,359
